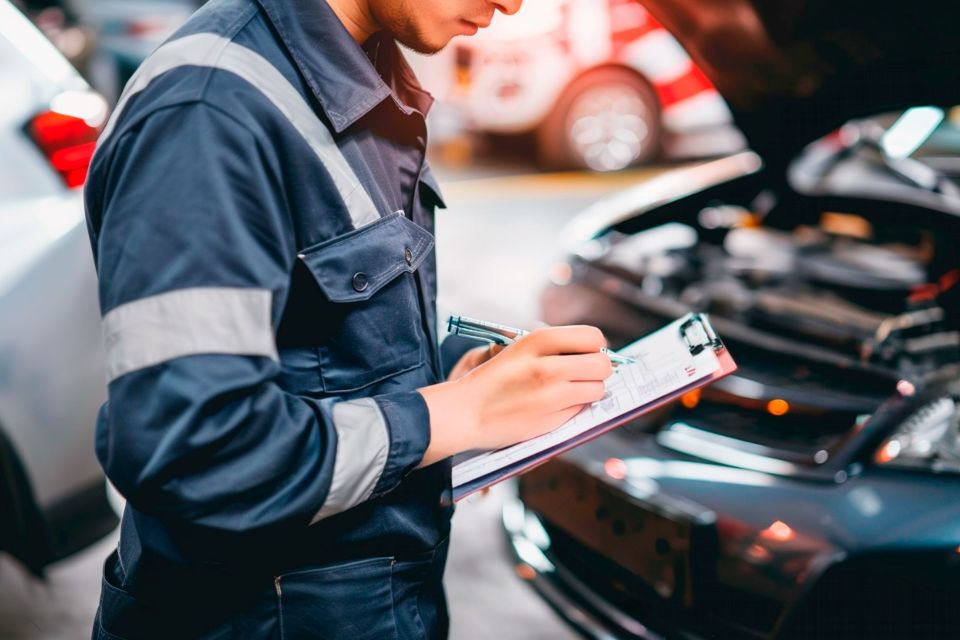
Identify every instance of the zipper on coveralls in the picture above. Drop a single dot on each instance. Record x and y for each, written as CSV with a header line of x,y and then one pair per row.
x,y
276,585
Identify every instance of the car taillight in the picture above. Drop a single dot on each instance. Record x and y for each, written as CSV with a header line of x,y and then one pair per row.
x,y
67,133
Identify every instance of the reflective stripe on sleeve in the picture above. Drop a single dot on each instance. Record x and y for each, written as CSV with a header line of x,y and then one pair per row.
x,y
363,444
215,320
213,51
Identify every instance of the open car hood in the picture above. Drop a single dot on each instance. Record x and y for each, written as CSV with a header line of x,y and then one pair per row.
x,y
793,70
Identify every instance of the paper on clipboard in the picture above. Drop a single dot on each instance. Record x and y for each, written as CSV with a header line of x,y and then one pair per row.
x,y
681,356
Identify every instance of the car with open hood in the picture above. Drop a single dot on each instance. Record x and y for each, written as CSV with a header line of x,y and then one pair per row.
x,y
815,493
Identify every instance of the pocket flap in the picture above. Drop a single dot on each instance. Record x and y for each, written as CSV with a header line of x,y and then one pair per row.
x,y
354,266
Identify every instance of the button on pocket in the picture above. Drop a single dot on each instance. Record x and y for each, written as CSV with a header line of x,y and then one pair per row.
x,y
360,282
369,326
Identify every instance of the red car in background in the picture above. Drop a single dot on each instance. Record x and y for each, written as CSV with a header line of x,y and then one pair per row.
x,y
600,83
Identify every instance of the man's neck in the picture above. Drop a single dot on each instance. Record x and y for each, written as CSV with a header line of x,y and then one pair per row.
x,y
356,17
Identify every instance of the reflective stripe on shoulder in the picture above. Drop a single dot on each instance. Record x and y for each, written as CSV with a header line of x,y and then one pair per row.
x,y
213,51
215,320
363,444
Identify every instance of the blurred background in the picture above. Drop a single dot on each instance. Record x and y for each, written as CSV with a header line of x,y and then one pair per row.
x,y
570,113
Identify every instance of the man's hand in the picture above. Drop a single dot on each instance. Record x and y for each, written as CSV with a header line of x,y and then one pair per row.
x,y
528,389
473,359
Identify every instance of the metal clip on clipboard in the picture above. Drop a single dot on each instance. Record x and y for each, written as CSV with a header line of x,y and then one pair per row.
x,y
698,334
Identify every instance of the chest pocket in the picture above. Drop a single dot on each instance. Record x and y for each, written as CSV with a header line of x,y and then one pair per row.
x,y
370,319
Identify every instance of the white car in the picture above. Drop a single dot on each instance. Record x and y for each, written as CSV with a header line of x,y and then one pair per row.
x,y
52,498
600,82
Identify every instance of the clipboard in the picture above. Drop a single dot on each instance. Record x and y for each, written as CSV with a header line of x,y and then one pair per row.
x,y
687,347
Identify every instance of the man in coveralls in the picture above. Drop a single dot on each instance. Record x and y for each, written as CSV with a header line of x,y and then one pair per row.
x,y
261,215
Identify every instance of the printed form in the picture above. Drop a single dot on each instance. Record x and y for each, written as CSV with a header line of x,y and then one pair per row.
x,y
664,364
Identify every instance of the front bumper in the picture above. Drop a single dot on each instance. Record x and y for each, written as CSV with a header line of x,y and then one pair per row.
x,y
626,540
639,577
647,560
575,601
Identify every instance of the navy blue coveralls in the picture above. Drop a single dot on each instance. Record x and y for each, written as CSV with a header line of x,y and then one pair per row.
x,y
261,215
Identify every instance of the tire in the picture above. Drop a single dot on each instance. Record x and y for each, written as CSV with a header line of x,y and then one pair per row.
x,y
606,120
23,533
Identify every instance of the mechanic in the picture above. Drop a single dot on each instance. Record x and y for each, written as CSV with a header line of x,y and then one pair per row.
x,y
261,215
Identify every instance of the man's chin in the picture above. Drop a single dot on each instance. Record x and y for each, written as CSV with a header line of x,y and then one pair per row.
x,y
423,46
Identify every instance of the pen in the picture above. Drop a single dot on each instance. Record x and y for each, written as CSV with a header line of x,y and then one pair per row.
x,y
504,335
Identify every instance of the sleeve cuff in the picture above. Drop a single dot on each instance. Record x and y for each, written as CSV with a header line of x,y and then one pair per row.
x,y
408,423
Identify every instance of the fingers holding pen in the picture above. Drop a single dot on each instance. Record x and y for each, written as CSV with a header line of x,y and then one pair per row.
x,y
572,339
583,367
528,389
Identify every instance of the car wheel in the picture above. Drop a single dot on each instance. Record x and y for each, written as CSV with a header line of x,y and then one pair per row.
x,y
23,533
606,120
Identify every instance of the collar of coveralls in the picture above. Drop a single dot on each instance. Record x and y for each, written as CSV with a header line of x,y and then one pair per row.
x,y
338,70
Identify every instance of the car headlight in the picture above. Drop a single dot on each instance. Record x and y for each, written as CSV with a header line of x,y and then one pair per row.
x,y
929,439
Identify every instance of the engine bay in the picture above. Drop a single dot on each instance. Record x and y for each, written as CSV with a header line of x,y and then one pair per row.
x,y
824,317
879,296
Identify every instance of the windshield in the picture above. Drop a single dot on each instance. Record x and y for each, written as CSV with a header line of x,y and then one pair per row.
x,y
941,149
920,146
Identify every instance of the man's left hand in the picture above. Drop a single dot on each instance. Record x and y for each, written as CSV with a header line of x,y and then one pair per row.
x,y
473,359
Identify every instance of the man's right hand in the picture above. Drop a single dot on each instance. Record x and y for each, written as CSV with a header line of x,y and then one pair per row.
x,y
528,389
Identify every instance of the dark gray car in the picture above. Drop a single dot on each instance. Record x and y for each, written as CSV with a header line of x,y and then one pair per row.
x,y
814,493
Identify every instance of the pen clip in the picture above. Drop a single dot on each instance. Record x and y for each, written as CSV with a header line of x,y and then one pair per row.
x,y
479,330
483,334
698,334
495,333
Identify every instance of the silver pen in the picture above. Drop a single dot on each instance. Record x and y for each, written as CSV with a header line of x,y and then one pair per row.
x,y
504,335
